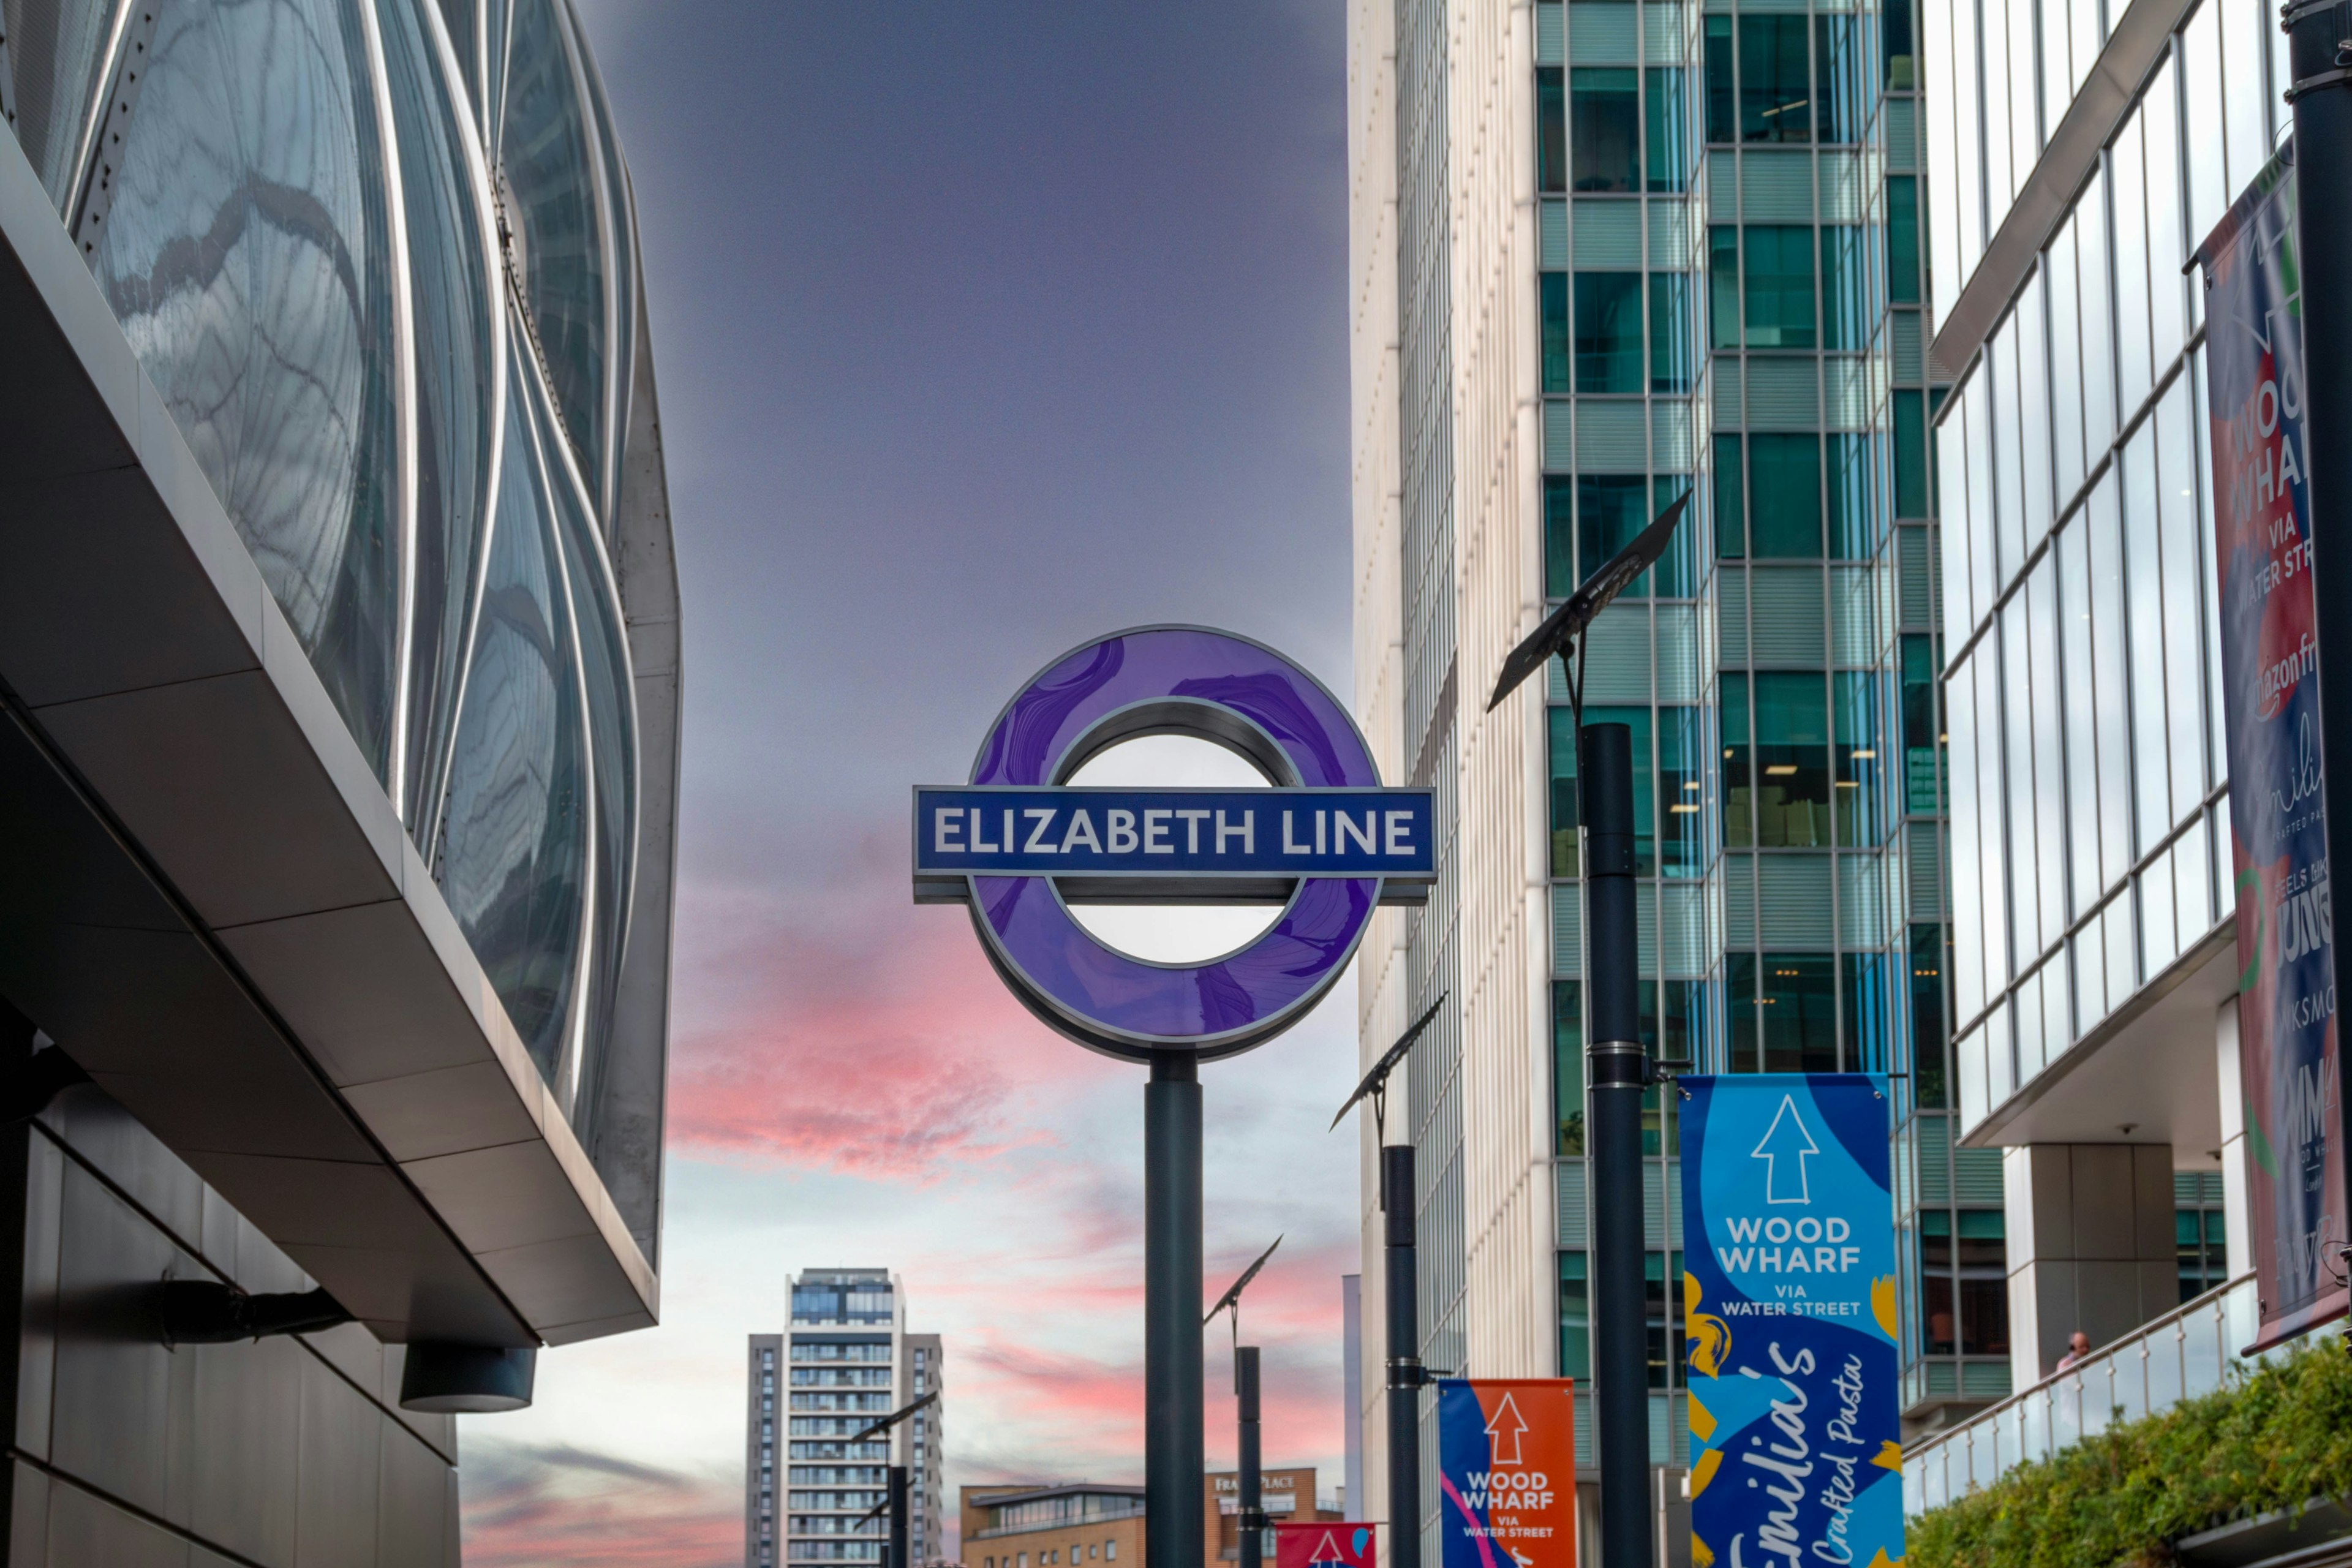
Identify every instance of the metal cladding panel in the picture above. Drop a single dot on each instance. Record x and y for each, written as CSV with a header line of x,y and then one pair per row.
x,y
1567,930
1603,33
1608,233
1611,437
1678,661
205,897
1572,1229
1731,613
1843,182
1912,566
1793,900
1663,32
1775,187
1670,436
1788,615
1669,234
1727,400
1559,435
1927,889
1909,351
1723,186
1683,948
1551,31
1617,655
1862,901
1784,394
1739,900
1855,636
1901,121
1552,234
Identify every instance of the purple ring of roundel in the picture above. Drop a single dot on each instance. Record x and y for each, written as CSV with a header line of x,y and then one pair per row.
x,y
1112,999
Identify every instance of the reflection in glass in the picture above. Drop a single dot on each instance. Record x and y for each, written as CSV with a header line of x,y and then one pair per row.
x,y
1775,97
1780,286
1857,750
515,867
1800,1012
1682,754
1666,120
550,172
458,380
246,256
1606,129
1562,749
1792,750
1738,786
1567,1063
1608,333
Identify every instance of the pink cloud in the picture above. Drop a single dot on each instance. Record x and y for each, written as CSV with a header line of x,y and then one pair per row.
x,y
575,1509
874,1041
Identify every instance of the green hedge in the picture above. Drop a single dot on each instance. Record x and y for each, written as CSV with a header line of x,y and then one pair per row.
x,y
2273,1438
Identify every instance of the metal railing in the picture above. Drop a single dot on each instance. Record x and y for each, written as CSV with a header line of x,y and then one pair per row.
x,y
2178,1356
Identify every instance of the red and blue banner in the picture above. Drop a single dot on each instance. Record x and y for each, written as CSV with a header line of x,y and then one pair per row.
x,y
2270,704
1788,1302
1326,1545
1506,1472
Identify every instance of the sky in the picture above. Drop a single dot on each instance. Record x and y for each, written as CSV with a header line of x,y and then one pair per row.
x,y
981,329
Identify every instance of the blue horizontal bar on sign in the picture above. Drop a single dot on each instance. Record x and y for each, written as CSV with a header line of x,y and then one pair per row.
x,y
966,831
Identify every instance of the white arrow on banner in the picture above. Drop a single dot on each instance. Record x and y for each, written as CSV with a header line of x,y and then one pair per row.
x,y
1796,1145
1504,1428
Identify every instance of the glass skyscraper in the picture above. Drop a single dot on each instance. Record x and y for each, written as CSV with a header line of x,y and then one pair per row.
x,y
1605,253
1841,270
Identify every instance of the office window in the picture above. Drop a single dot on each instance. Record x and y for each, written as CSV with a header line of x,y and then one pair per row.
x,y
1551,130
1837,42
1723,288
1608,331
1676,574
1774,96
1610,509
1792,747
1903,240
1682,757
1929,1072
1553,288
1673,352
1737,797
1666,121
1800,1012
1731,499
1982,1256
1567,1063
1846,313
1785,489
1606,129
1739,992
1662,1286
1922,739
1866,990
2204,1251
1559,535
1722,102
1855,515
1939,1319
1895,42
1778,295
1575,1318
1563,791
1860,797
1910,457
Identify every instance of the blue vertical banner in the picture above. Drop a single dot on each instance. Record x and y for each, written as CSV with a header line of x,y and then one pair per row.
x,y
1789,1301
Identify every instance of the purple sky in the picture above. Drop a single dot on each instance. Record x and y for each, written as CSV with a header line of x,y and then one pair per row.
x,y
982,329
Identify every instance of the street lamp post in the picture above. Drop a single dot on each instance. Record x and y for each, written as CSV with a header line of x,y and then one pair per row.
x,y
894,1492
1617,1071
1250,1518
1406,1375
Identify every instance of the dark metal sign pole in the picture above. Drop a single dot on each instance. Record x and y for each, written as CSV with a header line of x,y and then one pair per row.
x,y
1251,1515
1617,1072
898,1500
1172,1471
2319,51
1405,1373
